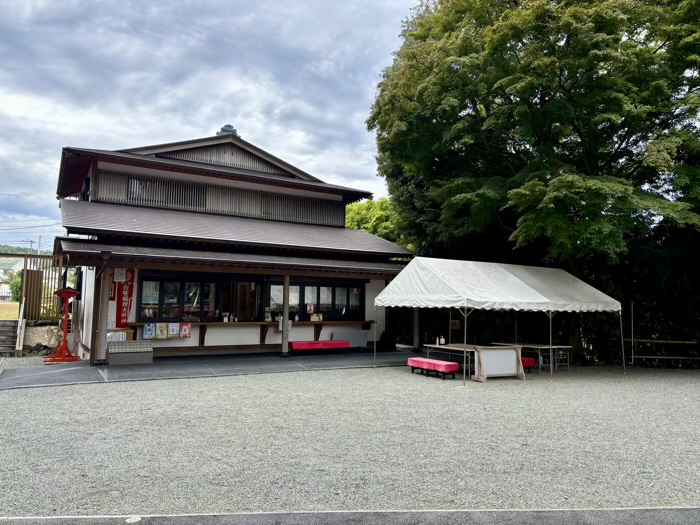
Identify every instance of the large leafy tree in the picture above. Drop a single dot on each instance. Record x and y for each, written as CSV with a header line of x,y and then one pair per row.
x,y
376,217
567,127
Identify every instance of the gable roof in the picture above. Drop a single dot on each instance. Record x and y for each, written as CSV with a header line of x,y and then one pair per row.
x,y
447,283
76,164
197,149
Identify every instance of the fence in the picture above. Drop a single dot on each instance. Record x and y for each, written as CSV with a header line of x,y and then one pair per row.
x,y
41,277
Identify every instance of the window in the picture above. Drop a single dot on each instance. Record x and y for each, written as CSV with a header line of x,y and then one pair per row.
x,y
175,300
171,300
277,300
341,302
334,303
193,302
325,304
150,293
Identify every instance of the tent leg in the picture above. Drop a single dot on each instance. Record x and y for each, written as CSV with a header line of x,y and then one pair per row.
x,y
464,372
622,342
449,327
465,326
632,328
375,344
551,350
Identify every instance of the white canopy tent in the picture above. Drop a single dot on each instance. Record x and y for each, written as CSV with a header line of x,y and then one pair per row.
x,y
470,285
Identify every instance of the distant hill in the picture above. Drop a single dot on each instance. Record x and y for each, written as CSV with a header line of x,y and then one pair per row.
x,y
5,248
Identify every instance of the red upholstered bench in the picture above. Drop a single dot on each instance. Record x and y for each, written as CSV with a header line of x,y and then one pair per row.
x,y
423,363
295,346
529,363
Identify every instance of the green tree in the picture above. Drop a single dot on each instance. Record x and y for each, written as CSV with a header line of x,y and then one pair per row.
x,y
567,127
376,217
16,287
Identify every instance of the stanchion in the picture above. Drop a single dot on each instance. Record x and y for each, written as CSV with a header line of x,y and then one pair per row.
x,y
61,353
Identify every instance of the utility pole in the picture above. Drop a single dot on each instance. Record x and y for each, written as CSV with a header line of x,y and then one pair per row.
x,y
31,245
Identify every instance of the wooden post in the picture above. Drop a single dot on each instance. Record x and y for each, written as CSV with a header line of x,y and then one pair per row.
x,y
285,316
96,294
101,353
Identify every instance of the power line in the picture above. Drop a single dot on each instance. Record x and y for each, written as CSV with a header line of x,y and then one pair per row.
x,y
25,220
8,228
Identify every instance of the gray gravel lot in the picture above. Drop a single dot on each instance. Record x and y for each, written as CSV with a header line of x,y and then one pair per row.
x,y
10,363
352,439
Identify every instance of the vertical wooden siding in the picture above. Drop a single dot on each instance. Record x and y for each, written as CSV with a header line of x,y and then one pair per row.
x,y
226,155
42,276
147,190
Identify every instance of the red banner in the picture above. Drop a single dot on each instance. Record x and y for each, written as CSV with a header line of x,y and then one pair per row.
x,y
125,293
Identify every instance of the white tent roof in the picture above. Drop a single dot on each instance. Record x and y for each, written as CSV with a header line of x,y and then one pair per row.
x,y
445,283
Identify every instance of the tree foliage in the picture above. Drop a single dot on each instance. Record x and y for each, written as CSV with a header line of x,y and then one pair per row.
x,y
16,287
376,217
568,127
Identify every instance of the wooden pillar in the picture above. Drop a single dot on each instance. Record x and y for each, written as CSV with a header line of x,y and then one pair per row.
x,y
416,328
96,295
285,316
104,314
100,311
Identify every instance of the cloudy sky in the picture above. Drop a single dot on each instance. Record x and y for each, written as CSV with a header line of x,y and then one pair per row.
x,y
295,78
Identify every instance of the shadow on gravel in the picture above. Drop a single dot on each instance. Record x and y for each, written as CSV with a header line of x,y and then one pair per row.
x,y
675,516
187,367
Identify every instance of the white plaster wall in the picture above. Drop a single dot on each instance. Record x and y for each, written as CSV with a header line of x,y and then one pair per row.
x,y
232,335
297,333
372,290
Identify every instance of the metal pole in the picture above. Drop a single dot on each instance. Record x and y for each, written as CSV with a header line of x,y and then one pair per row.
x,y
632,325
622,341
551,351
449,327
464,370
375,343
465,325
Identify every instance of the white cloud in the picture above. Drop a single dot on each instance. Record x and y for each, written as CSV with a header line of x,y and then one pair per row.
x,y
296,79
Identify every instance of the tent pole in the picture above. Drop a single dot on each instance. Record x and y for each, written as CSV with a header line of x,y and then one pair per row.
x,y
632,326
622,342
551,352
464,369
449,327
375,343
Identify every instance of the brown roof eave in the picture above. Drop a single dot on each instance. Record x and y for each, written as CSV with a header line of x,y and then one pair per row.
x,y
72,173
149,236
173,165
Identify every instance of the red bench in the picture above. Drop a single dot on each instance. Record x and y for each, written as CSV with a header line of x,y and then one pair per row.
x,y
423,363
529,363
295,346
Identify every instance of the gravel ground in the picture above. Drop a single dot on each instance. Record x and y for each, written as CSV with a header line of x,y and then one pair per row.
x,y
7,363
352,439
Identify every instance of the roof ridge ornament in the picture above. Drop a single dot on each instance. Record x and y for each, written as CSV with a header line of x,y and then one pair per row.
x,y
228,129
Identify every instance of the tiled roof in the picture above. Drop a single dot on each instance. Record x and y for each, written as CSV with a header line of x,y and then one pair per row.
x,y
117,219
160,254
